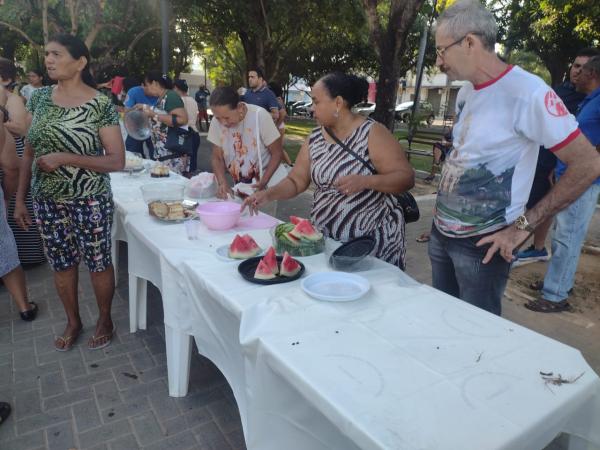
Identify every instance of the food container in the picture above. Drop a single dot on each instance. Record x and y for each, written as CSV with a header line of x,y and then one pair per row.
x,y
354,255
219,215
163,191
300,248
203,185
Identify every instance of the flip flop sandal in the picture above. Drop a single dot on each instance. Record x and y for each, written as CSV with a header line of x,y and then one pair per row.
x,y
95,339
546,306
30,314
423,238
4,411
68,342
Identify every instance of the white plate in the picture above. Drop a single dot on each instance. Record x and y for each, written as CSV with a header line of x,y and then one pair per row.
x,y
335,286
223,254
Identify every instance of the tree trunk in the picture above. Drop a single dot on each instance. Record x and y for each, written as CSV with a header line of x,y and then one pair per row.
x,y
389,42
45,20
387,88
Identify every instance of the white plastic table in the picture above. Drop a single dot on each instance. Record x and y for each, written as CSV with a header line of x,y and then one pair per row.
x,y
405,367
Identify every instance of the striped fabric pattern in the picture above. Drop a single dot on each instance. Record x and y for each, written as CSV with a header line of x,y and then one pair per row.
x,y
74,130
29,243
369,212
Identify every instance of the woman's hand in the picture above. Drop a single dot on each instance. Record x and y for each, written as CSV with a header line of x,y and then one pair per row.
x,y
51,162
21,215
224,191
254,201
351,184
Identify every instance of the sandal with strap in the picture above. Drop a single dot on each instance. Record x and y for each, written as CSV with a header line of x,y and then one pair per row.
x,y
424,237
545,306
4,411
67,341
539,285
30,314
95,339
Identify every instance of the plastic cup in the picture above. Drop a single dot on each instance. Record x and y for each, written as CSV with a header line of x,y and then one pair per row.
x,y
191,229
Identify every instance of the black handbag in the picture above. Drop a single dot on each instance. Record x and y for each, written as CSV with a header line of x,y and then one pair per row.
x,y
179,141
407,202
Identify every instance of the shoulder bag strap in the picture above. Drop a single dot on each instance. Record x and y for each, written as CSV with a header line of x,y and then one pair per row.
x,y
349,150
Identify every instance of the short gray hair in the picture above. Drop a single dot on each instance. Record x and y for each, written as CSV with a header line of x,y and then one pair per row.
x,y
593,65
469,16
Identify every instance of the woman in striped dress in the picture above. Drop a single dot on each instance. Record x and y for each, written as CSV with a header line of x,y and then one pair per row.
x,y
350,201
29,243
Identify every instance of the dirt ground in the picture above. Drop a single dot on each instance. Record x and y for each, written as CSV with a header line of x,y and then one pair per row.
x,y
585,297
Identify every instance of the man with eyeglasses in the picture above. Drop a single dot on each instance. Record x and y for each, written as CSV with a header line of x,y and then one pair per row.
x,y
503,116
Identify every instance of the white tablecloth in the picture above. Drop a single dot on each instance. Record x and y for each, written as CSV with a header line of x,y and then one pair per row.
x,y
405,367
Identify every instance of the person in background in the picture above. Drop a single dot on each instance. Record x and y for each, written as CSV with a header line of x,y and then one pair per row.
x,y
74,142
572,223
11,272
201,98
350,200
137,97
546,163
259,94
278,91
168,112
191,108
35,79
29,242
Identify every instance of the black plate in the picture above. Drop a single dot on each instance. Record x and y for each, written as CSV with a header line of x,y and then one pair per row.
x,y
248,268
352,252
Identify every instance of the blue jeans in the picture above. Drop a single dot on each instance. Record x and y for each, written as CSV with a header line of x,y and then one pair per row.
x,y
570,228
457,270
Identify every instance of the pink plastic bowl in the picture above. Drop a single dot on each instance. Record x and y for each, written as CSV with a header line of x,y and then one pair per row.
x,y
219,215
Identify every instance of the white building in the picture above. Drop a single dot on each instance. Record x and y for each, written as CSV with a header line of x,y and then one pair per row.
x,y
435,89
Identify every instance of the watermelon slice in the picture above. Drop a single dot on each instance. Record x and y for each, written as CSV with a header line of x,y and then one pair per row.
x,y
243,247
270,259
289,266
296,220
263,271
305,230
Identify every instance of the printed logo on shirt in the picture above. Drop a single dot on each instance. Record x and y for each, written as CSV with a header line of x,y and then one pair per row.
x,y
554,105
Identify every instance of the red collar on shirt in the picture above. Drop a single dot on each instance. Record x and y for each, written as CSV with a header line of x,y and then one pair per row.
x,y
493,80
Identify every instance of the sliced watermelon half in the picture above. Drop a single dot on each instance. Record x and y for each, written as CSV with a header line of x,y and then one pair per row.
x,y
263,271
243,247
305,230
289,266
296,220
270,259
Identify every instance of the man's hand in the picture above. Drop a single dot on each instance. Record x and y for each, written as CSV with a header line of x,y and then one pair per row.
x,y
21,215
51,162
351,184
504,241
224,191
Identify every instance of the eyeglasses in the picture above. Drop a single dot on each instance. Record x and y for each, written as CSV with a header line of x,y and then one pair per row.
x,y
441,50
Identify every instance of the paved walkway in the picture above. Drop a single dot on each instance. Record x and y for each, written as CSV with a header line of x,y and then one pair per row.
x,y
117,398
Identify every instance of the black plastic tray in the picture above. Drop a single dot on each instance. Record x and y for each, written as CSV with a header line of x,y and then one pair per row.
x,y
248,267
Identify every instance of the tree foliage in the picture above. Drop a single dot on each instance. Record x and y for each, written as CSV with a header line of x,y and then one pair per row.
x,y
554,30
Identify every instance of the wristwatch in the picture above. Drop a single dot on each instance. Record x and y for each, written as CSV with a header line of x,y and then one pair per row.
x,y
523,224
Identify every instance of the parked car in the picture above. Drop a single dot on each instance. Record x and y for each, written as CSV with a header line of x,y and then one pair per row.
x,y
364,109
424,114
303,109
